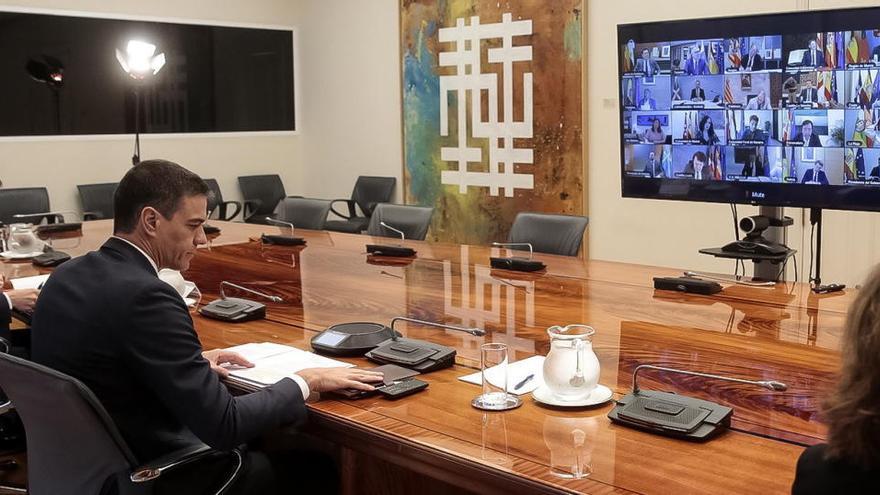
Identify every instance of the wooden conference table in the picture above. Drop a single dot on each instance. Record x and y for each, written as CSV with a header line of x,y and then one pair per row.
x,y
784,333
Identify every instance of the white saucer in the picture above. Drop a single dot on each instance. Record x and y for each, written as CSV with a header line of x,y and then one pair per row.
x,y
600,395
12,255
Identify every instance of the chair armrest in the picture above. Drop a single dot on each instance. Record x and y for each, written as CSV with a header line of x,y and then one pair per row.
x,y
349,202
91,215
4,346
223,215
250,208
6,407
154,469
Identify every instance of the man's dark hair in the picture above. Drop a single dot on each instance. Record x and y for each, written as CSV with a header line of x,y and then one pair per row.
x,y
753,118
805,122
157,183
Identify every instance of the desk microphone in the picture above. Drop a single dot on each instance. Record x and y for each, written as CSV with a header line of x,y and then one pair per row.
x,y
517,263
234,309
677,415
386,250
282,240
418,355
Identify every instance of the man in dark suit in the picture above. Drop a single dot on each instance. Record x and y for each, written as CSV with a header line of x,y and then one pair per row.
x,y
108,320
814,56
22,300
697,94
753,61
806,135
11,429
816,174
752,133
646,65
809,94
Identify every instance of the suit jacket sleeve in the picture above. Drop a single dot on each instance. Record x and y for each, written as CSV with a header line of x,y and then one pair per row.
x,y
5,316
163,350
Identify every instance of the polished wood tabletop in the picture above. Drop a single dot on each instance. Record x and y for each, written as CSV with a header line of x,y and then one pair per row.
x,y
783,333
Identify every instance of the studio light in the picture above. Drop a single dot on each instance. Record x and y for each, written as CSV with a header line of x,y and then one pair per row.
x,y
140,62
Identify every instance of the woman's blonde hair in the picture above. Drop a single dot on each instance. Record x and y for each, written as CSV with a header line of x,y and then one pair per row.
x,y
853,410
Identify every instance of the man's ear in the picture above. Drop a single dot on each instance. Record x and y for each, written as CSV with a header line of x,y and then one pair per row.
x,y
149,220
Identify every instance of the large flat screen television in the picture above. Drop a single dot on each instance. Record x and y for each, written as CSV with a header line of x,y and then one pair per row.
x,y
780,109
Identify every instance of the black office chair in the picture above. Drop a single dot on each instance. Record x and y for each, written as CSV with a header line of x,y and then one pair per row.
x,y
261,195
548,233
303,213
26,205
216,203
97,200
367,193
413,221
72,444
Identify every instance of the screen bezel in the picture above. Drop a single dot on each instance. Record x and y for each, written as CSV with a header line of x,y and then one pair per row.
x,y
836,197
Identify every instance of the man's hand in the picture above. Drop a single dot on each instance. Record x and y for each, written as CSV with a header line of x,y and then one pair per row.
x,y
23,299
327,379
220,356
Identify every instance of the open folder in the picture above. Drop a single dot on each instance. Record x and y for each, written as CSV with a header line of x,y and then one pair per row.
x,y
273,362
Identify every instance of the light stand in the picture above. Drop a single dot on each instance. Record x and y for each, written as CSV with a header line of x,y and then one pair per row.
x,y
139,62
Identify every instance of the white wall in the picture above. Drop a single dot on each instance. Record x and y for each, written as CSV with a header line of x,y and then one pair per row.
x,y
350,82
669,233
61,164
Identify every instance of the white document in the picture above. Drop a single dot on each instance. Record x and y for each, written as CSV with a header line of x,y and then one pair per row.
x,y
34,282
274,362
517,372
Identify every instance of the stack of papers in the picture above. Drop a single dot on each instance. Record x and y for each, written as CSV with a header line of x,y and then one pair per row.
x,y
517,373
34,282
274,362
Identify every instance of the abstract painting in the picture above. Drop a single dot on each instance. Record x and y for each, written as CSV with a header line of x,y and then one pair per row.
x,y
492,112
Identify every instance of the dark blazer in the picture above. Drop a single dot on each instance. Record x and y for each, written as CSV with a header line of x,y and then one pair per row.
x,y
757,63
5,317
811,94
814,140
106,319
816,475
821,178
698,93
816,54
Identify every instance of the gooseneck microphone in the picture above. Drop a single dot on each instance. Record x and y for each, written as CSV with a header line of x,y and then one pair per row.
x,y
511,244
476,332
402,236
768,384
281,223
236,286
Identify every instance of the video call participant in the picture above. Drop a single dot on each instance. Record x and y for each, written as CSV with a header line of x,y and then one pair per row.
x,y
850,461
646,65
754,166
697,94
815,174
107,319
814,56
655,134
752,61
652,166
875,172
647,103
809,94
707,131
806,135
752,133
697,167
759,102
696,64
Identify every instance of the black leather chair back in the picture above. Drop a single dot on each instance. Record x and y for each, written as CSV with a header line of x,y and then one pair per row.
x,y
412,220
22,200
215,197
548,233
97,200
370,191
216,203
267,189
72,444
303,213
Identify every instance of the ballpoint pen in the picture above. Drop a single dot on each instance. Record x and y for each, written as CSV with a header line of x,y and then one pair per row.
x,y
523,382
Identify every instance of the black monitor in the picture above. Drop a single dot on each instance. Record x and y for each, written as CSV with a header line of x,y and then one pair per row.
x,y
779,110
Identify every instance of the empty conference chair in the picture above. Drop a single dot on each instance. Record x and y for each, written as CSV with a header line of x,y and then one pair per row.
x,y
261,195
413,221
72,444
303,213
548,233
30,201
97,200
216,203
367,193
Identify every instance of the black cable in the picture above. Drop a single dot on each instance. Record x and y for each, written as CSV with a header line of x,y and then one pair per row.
x,y
810,278
737,262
